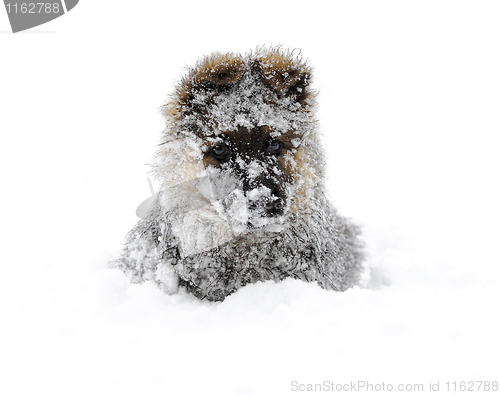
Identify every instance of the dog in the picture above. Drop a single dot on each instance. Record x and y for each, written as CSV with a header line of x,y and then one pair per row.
x,y
241,173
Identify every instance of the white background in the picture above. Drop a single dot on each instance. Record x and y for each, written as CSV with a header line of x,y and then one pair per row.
x,y
409,109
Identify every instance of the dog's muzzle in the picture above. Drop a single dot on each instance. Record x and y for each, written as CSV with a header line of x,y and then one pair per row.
x,y
268,207
264,201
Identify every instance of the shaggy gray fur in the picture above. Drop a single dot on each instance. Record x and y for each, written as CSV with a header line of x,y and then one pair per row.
x,y
199,233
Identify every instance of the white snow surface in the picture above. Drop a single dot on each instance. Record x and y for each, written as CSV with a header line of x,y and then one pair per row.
x,y
408,107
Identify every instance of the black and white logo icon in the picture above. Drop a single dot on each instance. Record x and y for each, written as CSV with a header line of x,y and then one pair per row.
x,y
25,14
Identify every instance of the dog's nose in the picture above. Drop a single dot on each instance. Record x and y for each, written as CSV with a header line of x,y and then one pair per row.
x,y
274,207
269,207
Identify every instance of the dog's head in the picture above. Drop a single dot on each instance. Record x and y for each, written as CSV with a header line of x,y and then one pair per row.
x,y
241,134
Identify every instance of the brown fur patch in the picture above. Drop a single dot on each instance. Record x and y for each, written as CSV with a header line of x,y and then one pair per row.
x,y
280,71
216,71
222,70
305,173
285,75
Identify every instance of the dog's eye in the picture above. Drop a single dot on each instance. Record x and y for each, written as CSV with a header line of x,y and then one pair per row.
x,y
220,151
274,147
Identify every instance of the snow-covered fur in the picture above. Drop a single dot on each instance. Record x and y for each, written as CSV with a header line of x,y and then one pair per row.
x,y
242,195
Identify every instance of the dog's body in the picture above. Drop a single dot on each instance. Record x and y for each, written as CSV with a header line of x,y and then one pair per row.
x,y
242,197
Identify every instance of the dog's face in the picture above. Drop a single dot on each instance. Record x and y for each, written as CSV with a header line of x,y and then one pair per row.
x,y
244,124
257,161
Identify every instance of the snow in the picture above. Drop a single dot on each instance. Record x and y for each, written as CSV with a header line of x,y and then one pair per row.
x,y
409,111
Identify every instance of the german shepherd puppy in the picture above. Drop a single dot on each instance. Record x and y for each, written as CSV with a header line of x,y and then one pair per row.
x,y
242,196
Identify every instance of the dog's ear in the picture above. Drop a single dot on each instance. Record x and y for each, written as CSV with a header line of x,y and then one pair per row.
x,y
218,71
286,76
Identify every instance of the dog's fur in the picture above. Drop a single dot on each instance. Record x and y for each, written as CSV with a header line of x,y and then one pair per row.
x,y
242,197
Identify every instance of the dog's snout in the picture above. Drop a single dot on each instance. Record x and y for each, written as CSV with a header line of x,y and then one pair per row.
x,y
264,186
274,207
269,206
